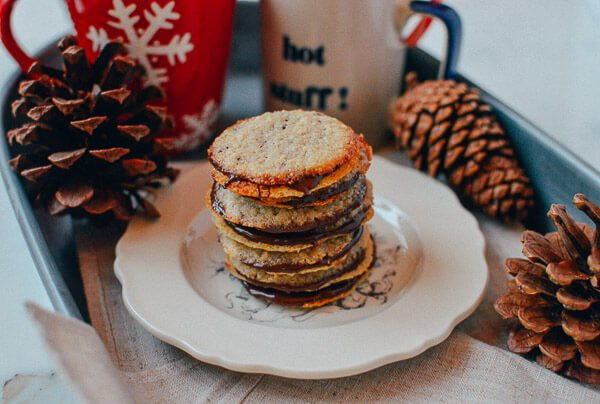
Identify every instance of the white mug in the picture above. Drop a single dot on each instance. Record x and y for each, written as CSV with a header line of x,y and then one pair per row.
x,y
342,57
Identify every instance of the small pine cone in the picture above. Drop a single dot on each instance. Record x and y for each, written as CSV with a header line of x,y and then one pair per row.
x,y
87,136
554,297
448,129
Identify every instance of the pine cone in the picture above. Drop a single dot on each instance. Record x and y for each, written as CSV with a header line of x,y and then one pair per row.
x,y
87,141
555,295
447,129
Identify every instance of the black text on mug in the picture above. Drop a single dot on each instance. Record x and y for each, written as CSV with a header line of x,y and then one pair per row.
x,y
311,96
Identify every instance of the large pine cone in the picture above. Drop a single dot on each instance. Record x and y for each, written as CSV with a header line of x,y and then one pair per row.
x,y
555,295
448,129
87,141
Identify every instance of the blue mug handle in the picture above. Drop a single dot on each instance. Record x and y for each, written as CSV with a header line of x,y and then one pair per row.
x,y
454,28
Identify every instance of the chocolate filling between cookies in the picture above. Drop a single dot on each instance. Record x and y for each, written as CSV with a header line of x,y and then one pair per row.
x,y
305,184
297,299
322,194
310,237
292,268
313,286
313,227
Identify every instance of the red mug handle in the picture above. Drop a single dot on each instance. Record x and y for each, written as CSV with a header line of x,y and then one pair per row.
x,y
8,38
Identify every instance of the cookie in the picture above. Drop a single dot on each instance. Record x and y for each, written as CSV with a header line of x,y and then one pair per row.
x,y
330,252
294,241
284,244
246,212
357,262
307,300
283,147
361,161
300,170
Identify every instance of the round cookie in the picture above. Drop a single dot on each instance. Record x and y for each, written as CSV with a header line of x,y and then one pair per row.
x,y
311,184
265,241
269,259
308,300
358,262
283,147
246,212
298,244
360,160
224,229
330,252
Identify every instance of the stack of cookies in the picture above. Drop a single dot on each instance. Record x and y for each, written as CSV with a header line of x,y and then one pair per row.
x,y
290,200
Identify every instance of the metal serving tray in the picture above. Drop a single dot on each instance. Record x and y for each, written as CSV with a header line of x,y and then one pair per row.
x,y
556,173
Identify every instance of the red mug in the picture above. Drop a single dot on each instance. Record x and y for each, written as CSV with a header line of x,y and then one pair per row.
x,y
184,46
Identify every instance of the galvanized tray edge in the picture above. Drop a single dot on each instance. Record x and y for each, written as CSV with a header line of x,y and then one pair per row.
x,y
47,268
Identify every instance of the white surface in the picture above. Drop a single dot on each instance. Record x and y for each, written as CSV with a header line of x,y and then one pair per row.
x,y
539,56
447,286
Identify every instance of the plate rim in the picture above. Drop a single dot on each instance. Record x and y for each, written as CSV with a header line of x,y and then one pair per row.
x,y
332,372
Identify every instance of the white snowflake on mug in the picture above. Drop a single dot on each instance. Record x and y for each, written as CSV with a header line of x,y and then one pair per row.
x,y
198,127
140,41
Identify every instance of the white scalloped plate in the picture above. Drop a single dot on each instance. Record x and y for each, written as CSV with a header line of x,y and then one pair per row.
x,y
430,275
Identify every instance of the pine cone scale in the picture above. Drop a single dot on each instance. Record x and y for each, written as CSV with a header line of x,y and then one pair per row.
x,y
565,273
103,201
537,248
533,285
135,167
509,304
66,159
110,155
539,319
583,373
522,340
136,132
575,300
590,353
42,113
74,195
557,346
515,265
549,363
67,107
89,125
580,327
573,242
35,173
118,95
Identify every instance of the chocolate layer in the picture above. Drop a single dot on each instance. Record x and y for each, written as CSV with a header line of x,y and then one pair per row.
x,y
305,184
308,237
322,194
313,226
292,268
299,299
348,267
